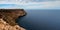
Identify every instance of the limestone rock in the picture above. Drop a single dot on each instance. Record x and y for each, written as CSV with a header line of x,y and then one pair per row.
x,y
8,19
6,26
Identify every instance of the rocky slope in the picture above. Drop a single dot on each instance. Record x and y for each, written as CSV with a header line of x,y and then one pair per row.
x,y
8,19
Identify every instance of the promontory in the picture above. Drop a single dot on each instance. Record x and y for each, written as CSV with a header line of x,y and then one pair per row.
x,y
8,19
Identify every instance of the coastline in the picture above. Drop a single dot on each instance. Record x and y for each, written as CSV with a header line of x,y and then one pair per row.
x,y
10,16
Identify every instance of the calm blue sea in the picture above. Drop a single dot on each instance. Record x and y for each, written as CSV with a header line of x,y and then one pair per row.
x,y
41,20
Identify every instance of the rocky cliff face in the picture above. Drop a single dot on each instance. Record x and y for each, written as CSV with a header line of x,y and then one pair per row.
x,y
8,19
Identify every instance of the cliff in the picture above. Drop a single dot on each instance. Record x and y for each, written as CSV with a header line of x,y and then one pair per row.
x,y
8,19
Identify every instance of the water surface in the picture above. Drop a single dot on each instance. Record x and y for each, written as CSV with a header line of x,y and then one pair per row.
x,y
41,20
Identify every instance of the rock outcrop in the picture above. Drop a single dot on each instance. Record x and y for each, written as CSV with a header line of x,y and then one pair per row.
x,y
8,19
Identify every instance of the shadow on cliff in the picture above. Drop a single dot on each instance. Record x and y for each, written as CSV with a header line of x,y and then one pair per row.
x,y
20,18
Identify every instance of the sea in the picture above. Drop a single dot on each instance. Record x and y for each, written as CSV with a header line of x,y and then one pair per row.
x,y
37,19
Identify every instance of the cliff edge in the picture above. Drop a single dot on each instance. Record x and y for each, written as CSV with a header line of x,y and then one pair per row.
x,y
8,19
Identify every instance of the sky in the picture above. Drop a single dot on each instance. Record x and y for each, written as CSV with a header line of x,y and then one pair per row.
x,y
30,4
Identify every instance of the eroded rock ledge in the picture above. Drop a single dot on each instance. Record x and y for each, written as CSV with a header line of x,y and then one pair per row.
x,y
8,19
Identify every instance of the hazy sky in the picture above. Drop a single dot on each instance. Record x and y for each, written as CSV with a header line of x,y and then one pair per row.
x,y
30,4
